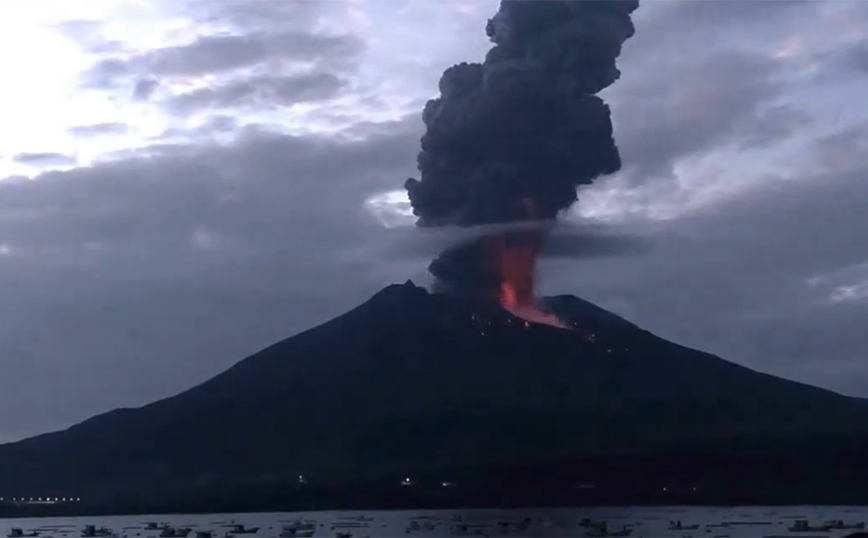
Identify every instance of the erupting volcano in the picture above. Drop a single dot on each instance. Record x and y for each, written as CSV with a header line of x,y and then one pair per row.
x,y
516,254
510,140
445,388
496,267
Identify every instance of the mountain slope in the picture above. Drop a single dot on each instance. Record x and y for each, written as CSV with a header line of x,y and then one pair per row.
x,y
410,380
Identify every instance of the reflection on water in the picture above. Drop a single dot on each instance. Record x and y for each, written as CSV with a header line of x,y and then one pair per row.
x,y
717,522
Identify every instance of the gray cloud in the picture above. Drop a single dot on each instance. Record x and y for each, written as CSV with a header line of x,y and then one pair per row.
x,y
98,129
672,104
772,124
211,127
44,159
105,73
711,26
240,15
262,91
88,34
747,280
257,190
207,54
144,88
843,150
224,53
687,107
256,240
247,16
857,57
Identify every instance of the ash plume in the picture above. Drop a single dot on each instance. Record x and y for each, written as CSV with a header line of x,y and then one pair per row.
x,y
510,139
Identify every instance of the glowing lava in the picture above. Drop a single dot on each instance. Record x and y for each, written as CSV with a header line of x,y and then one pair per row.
x,y
498,267
516,254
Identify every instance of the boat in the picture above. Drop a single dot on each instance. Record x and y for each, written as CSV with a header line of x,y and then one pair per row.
x,y
837,524
678,526
802,525
602,530
241,529
170,532
300,527
204,534
90,531
19,533
626,531
300,533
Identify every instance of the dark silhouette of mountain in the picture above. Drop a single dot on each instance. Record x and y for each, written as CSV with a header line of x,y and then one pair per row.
x,y
412,382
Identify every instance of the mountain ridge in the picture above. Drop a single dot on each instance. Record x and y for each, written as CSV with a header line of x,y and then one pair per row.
x,y
411,380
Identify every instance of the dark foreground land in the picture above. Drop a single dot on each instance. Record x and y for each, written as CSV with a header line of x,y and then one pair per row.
x,y
434,388
810,479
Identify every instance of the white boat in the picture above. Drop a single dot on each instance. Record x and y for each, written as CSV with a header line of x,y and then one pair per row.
x,y
590,523
802,525
300,528
602,530
837,524
679,526
90,531
241,529
299,533
170,532
19,533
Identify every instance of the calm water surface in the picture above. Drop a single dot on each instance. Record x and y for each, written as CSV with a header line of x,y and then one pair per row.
x,y
646,522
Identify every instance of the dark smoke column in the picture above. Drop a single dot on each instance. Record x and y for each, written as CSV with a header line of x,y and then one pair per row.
x,y
511,138
525,123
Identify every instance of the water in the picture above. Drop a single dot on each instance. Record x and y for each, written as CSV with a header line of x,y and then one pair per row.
x,y
714,522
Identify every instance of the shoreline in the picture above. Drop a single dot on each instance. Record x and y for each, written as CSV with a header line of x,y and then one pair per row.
x,y
415,503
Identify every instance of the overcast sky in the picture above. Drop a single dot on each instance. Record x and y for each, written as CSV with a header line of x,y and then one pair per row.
x,y
185,182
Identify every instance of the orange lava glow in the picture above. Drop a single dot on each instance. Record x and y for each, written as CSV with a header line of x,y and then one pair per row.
x,y
516,254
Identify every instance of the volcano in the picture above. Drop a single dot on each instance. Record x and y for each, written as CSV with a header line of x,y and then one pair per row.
x,y
431,384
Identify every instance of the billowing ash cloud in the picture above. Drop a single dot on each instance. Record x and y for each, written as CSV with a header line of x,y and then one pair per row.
x,y
524,124
512,138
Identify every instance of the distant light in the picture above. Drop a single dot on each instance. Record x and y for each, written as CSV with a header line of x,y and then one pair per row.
x,y
665,489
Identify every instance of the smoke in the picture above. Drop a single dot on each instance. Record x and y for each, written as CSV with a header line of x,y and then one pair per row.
x,y
476,268
563,240
510,139
525,123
